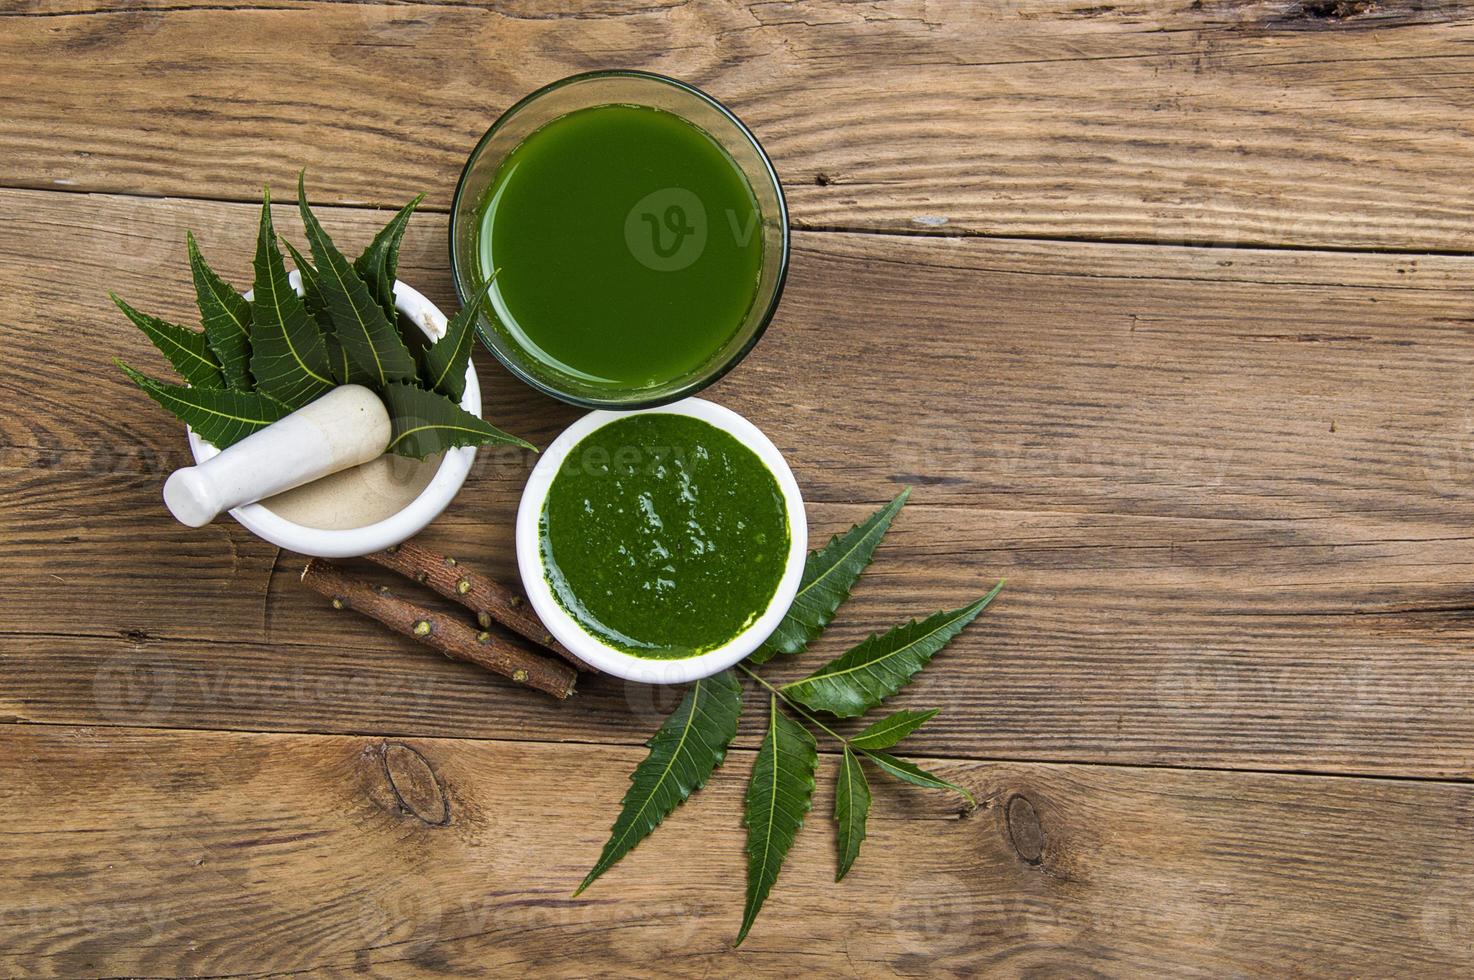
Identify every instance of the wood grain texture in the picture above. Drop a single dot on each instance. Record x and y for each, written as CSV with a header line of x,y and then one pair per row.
x,y
1229,488
1229,491
1222,121
156,853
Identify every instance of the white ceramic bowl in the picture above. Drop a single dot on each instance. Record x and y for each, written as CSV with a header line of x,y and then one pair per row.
x,y
406,522
593,650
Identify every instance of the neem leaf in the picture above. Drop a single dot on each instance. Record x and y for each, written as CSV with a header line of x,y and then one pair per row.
x,y
221,416
892,728
425,423
446,359
184,348
779,794
311,294
344,370
913,774
226,317
851,807
369,337
882,664
379,263
829,573
288,359
692,742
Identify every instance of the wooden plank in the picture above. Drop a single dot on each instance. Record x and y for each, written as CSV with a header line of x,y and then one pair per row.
x,y
1180,662
158,853
1201,571
1018,375
1222,121
1116,640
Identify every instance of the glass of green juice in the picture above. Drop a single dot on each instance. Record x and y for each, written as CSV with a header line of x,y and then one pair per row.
x,y
631,235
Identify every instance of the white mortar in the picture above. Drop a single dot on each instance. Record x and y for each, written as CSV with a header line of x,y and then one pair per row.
x,y
369,507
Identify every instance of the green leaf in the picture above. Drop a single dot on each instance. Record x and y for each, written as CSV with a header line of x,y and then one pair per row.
x,y
446,359
692,742
913,774
851,807
184,348
379,263
369,337
892,728
220,416
779,794
311,294
344,370
829,573
425,423
226,317
288,359
882,664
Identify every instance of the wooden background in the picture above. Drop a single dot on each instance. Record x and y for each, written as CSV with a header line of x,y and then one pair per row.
x,y
1165,310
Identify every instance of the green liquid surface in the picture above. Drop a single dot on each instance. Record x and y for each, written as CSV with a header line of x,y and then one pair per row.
x,y
663,536
627,245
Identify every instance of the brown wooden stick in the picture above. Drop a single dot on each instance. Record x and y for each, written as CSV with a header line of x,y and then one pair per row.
x,y
489,599
449,635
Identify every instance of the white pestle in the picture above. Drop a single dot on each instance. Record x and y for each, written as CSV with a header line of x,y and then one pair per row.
x,y
346,427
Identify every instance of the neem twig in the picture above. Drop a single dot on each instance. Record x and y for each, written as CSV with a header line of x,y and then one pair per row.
x,y
489,599
450,636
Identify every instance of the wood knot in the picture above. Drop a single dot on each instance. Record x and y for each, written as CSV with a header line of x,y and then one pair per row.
x,y
1335,9
1024,831
422,627
483,620
463,586
417,789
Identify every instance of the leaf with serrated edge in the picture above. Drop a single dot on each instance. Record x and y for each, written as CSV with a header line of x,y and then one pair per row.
x,y
683,753
226,317
184,348
829,574
288,359
369,337
379,263
425,422
891,729
220,416
311,295
913,774
779,794
851,807
882,664
344,370
446,359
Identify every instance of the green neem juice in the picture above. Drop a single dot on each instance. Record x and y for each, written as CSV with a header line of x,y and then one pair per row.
x,y
627,248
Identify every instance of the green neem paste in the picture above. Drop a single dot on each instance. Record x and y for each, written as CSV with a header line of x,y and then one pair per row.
x,y
663,536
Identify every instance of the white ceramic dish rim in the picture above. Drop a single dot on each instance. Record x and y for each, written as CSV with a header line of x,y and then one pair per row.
x,y
398,527
593,650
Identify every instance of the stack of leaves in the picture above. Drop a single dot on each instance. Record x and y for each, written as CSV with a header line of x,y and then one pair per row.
x,y
694,739
260,359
